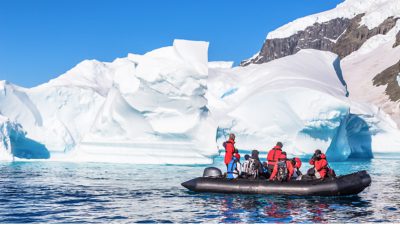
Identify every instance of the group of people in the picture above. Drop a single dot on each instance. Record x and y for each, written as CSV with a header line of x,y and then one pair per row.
x,y
277,166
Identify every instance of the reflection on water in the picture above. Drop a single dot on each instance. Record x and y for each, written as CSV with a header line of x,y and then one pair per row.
x,y
49,192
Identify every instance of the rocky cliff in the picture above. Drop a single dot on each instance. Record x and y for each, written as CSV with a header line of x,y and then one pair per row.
x,y
340,35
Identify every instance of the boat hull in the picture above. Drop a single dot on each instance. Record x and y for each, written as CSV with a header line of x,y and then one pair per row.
x,y
343,185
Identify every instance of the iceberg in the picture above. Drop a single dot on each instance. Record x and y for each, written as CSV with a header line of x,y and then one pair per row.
x,y
172,106
14,144
140,109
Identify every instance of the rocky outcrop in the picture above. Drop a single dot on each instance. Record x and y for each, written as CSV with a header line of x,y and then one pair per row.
x,y
341,36
397,40
389,77
356,35
319,36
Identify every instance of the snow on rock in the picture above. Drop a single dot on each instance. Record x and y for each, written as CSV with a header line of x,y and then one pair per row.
x,y
361,67
376,11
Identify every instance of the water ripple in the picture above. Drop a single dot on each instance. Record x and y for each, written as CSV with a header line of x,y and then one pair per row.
x,y
46,192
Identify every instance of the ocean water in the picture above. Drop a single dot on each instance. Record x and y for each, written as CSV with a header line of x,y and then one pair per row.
x,y
57,192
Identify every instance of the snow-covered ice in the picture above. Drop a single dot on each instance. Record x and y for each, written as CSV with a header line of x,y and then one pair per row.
x,y
172,106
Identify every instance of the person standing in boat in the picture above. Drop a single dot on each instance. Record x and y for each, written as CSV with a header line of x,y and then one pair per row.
x,y
283,169
273,155
229,146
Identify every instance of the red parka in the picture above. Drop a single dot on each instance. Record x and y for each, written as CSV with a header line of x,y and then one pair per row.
x,y
320,165
229,149
289,167
273,155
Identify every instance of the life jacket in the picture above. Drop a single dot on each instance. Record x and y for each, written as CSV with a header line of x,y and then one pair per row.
x,y
321,166
273,155
229,149
232,169
283,172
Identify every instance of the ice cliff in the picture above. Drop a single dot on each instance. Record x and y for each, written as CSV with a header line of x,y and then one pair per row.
x,y
172,106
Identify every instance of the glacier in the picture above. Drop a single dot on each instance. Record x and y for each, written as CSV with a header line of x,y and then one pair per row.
x,y
172,106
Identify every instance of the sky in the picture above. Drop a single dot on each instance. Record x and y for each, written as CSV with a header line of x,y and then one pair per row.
x,y
42,39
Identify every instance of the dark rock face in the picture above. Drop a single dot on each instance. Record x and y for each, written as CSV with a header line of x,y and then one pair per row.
x,y
318,36
397,40
341,36
356,35
389,77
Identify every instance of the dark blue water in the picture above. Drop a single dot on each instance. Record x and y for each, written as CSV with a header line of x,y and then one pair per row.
x,y
54,192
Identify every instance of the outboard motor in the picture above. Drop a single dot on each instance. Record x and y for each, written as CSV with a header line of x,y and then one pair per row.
x,y
213,172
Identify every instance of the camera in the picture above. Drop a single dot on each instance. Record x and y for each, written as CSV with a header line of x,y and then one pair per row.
x,y
316,156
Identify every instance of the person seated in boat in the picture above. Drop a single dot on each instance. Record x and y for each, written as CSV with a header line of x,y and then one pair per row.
x,y
246,167
273,155
234,170
229,146
252,168
321,169
257,163
283,169
266,172
236,154
296,163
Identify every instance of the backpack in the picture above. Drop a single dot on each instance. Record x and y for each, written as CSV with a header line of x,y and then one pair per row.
x,y
249,167
283,172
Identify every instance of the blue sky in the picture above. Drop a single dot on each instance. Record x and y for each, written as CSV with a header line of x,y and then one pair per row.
x,y
41,39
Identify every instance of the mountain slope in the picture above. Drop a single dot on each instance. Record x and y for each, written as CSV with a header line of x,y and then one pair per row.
x,y
366,36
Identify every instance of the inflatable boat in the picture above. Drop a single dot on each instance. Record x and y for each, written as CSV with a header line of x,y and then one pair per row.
x,y
212,181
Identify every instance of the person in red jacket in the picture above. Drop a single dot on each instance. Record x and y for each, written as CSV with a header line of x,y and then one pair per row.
x,y
296,163
283,169
320,164
229,146
236,154
273,155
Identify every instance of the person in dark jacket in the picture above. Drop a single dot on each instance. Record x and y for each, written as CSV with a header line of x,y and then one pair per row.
x,y
273,155
257,162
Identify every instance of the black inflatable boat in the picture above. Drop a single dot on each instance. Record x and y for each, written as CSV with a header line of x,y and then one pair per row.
x,y
350,184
